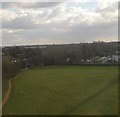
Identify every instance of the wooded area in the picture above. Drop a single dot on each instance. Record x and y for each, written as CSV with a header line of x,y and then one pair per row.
x,y
18,57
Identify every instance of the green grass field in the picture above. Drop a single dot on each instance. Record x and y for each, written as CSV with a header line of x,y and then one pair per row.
x,y
65,90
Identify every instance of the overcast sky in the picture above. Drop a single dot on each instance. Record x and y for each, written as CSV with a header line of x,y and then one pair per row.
x,y
59,22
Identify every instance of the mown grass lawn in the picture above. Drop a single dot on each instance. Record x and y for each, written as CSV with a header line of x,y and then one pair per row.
x,y
65,90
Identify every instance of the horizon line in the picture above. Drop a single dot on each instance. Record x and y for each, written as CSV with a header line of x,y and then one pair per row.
x,y
56,43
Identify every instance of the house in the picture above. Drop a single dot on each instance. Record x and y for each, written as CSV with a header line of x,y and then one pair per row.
x,y
95,59
116,57
103,59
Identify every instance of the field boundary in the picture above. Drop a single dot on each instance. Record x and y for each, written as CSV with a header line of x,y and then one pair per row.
x,y
7,95
93,64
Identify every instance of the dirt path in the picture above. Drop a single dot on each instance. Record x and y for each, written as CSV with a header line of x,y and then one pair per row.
x,y
7,95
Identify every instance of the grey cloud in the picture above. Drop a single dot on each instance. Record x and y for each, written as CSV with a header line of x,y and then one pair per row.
x,y
18,23
58,31
79,33
29,4
86,33
109,9
8,39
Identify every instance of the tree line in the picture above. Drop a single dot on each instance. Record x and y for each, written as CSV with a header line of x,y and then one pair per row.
x,y
18,57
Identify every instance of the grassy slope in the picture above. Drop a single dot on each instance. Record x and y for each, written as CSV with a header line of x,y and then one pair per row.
x,y
4,87
64,90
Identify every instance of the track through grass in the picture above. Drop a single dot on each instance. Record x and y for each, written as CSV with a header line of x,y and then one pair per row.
x,y
65,90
